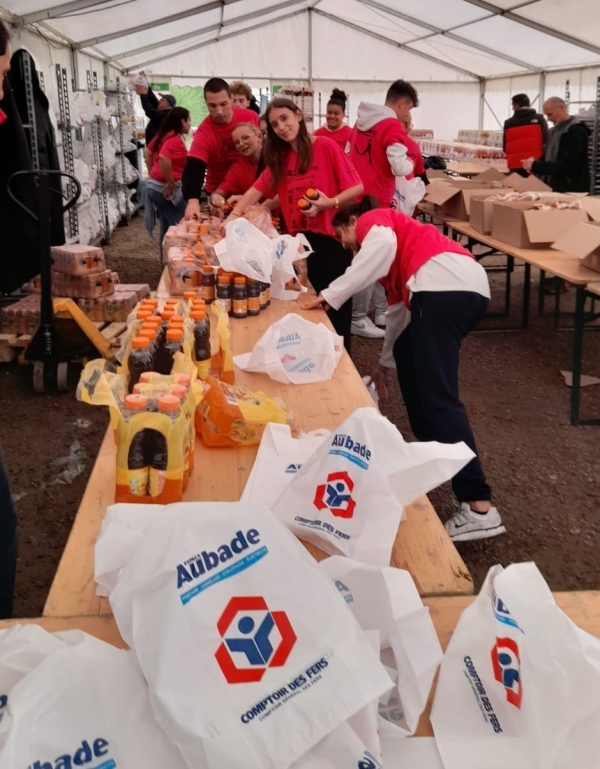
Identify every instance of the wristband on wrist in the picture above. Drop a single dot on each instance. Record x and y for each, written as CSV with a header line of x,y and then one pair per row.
x,y
336,203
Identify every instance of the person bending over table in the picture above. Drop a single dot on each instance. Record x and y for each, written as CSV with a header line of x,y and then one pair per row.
x,y
437,294
212,151
296,162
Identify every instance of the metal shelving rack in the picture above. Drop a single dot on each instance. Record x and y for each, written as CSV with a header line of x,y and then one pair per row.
x,y
92,82
67,143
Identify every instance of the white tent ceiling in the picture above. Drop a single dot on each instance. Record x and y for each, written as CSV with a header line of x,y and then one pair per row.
x,y
355,40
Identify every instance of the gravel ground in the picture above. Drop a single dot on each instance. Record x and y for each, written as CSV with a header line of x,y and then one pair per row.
x,y
545,473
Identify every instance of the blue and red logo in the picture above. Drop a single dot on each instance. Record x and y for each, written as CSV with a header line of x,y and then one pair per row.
x,y
335,495
506,663
254,639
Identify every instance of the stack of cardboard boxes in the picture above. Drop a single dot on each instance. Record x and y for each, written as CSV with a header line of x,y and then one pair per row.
x,y
520,223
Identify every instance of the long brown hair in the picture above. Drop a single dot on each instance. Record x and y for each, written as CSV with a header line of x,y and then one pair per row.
x,y
277,150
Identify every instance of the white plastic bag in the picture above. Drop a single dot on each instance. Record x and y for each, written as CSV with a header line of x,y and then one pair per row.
x,y
86,705
348,498
386,599
519,685
294,350
245,249
278,459
250,655
23,648
286,251
408,194
413,753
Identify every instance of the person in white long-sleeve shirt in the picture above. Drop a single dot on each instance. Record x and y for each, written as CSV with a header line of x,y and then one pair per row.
x,y
379,152
437,294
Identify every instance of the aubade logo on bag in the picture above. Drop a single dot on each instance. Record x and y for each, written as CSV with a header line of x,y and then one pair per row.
x,y
86,754
354,451
368,761
254,639
289,340
506,663
501,612
217,561
3,704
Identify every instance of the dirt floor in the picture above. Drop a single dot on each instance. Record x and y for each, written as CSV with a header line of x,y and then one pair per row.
x,y
545,473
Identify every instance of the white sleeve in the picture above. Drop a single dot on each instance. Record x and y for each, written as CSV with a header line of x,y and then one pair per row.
x,y
401,164
373,261
396,320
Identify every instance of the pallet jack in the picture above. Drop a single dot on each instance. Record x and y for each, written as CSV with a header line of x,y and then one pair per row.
x,y
65,333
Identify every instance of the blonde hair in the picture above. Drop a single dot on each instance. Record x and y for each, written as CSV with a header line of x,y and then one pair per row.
x,y
241,88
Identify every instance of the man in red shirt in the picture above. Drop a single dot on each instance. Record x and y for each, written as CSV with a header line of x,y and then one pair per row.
x,y
212,151
378,151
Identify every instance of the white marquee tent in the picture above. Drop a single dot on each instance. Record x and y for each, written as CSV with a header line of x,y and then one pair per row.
x,y
466,57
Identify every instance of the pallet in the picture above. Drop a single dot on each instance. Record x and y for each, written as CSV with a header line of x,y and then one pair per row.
x,y
13,345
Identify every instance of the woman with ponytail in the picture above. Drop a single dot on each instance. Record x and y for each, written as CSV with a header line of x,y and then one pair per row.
x,y
437,294
296,163
335,128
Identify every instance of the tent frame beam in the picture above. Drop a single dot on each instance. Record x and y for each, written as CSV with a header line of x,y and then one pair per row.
x,y
512,16
396,44
447,33
64,9
216,5
206,30
228,36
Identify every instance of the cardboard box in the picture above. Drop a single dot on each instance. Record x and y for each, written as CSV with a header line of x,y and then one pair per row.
x,y
480,217
520,225
454,199
490,175
526,183
583,241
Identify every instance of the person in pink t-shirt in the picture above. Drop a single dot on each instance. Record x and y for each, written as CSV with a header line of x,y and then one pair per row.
x,y
212,152
296,162
335,128
437,294
248,141
166,157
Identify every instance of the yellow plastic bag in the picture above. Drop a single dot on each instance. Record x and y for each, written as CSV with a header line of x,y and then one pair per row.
x,y
233,416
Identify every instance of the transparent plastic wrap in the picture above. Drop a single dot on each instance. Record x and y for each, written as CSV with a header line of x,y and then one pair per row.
x,y
153,427
78,259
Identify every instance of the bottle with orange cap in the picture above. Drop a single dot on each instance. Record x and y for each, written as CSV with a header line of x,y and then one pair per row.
x,y
161,489
201,343
173,344
140,360
137,462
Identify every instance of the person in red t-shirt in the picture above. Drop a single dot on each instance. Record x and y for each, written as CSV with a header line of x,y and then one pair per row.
x,y
437,294
248,141
335,128
212,151
296,162
379,152
166,157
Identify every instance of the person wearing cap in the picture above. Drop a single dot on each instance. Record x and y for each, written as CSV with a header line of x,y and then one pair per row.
x,y
155,107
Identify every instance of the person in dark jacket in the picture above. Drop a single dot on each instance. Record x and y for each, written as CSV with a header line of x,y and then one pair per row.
x,y
155,108
525,134
565,165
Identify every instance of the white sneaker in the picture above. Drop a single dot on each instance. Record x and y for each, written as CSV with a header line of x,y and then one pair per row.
x,y
466,525
381,319
366,327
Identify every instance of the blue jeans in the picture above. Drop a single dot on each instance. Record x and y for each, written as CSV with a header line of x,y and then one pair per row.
x,y
168,214
427,358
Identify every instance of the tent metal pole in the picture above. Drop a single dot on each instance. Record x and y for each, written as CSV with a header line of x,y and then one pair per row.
x,y
512,16
482,103
310,46
542,89
151,24
64,9
139,65
214,28
446,33
395,44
